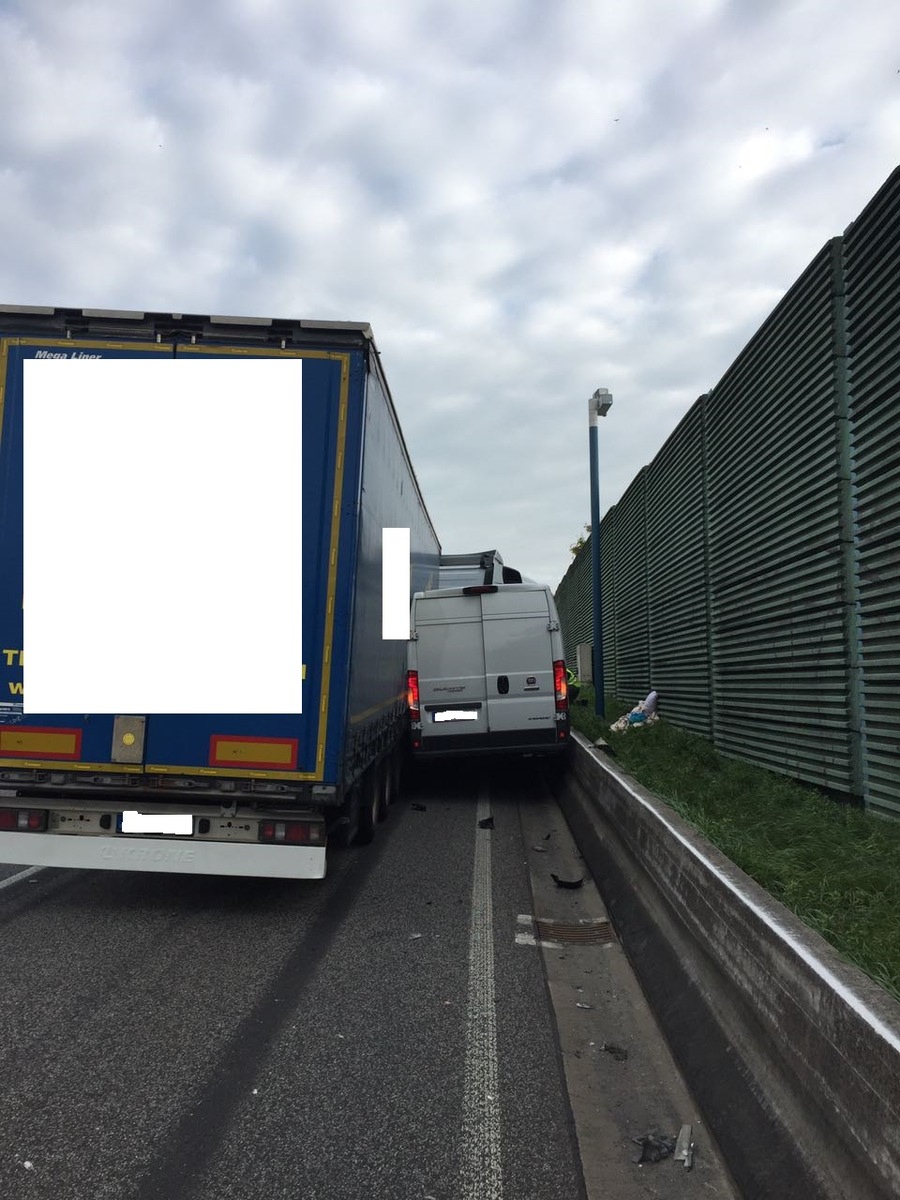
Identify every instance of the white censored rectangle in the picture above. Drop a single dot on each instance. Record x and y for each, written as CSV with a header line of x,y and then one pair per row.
x,y
395,584
162,535
175,823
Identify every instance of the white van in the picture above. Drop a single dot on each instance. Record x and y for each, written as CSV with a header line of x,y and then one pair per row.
x,y
486,671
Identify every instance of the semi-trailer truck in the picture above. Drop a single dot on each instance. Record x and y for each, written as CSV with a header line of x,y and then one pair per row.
x,y
255,794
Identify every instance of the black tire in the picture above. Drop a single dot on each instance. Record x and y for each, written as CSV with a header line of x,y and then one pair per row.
x,y
345,830
399,761
369,805
386,771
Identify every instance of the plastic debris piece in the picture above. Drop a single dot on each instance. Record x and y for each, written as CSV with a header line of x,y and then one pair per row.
x,y
684,1147
540,849
414,936
643,713
29,1166
256,1091
618,1052
579,1004
418,808
654,1147
487,823
566,883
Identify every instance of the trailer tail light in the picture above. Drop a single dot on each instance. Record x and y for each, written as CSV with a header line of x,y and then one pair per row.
x,y
412,694
561,686
292,833
23,820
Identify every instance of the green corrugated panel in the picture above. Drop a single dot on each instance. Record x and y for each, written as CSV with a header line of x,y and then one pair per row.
x,y
630,608
608,576
679,629
775,576
573,600
775,556
872,259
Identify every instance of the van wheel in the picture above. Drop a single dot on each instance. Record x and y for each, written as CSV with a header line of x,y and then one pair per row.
x,y
370,803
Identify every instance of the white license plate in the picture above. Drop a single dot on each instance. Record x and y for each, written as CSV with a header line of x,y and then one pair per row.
x,y
459,714
181,824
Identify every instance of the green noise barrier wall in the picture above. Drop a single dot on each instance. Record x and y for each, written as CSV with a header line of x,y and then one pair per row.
x,y
751,572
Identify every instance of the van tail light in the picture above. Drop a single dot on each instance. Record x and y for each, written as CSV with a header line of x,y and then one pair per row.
x,y
561,686
412,694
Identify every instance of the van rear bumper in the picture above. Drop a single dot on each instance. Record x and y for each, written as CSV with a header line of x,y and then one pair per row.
x,y
544,741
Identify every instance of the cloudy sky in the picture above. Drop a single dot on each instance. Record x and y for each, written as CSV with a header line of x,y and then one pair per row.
x,y
527,199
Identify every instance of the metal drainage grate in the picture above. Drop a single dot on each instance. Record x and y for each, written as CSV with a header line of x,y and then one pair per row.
x,y
593,933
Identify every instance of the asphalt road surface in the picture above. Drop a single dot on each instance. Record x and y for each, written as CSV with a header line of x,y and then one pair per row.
x,y
400,1029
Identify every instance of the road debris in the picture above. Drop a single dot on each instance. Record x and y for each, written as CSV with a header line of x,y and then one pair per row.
x,y
566,883
580,1004
418,808
487,823
619,1053
684,1147
414,937
654,1147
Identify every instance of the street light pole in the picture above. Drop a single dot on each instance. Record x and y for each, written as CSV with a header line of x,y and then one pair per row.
x,y
598,406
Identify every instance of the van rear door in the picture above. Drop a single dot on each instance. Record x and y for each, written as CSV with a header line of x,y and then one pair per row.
x,y
449,652
518,663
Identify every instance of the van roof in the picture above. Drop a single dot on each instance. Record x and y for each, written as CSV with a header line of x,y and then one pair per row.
x,y
459,589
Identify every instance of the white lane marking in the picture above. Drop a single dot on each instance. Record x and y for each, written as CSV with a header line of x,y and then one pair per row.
x,y
482,1168
528,939
5,883
874,1021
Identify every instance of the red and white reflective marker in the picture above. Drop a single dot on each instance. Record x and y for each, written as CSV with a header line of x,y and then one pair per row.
x,y
395,584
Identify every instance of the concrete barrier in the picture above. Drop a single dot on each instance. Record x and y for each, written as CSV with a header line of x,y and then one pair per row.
x,y
792,1052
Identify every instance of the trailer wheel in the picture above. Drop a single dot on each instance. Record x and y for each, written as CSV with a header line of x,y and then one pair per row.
x,y
370,803
344,832
397,764
386,771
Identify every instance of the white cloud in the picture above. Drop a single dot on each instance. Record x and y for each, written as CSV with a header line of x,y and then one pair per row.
x,y
526,200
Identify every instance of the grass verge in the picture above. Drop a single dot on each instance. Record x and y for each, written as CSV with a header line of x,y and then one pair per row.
x,y
835,866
